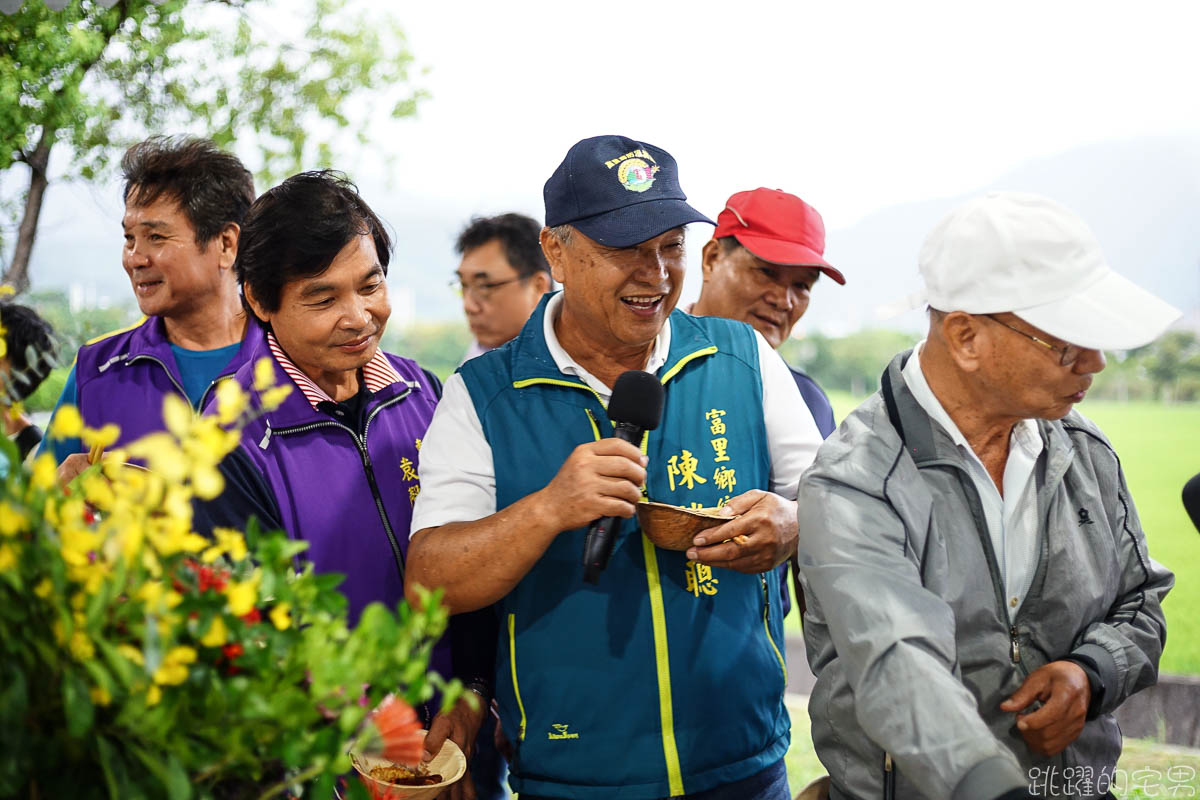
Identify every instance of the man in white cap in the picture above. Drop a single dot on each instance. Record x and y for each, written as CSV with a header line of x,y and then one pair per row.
x,y
980,595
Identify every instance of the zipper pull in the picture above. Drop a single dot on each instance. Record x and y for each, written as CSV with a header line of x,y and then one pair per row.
x,y
1016,645
266,439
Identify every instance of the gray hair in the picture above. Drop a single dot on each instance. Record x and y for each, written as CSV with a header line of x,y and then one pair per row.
x,y
563,233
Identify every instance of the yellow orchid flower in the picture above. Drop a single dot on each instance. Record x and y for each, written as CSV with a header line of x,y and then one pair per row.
x,y
242,595
100,696
67,423
177,415
233,541
12,520
8,557
272,398
153,695
98,491
231,402
228,541
162,455
132,653
102,437
217,634
45,472
280,617
81,646
173,670
264,373
207,482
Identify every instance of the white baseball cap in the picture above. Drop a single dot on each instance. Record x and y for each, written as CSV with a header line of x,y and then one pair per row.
x,y
1026,254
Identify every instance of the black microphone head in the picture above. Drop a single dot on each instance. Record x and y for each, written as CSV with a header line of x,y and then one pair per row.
x,y
637,399
1191,499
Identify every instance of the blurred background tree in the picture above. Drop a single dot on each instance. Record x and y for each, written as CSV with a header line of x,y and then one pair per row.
x,y
1166,370
87,80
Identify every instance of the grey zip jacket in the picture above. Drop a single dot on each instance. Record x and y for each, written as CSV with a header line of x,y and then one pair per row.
x,y
907,629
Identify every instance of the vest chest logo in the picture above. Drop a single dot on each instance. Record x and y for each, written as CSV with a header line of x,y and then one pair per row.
x,y
1085,518
560,732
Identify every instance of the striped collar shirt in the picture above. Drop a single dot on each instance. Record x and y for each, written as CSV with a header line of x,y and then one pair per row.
x,y
377,374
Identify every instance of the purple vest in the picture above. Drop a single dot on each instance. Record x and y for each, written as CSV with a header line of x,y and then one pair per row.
x,y
123,378
321,474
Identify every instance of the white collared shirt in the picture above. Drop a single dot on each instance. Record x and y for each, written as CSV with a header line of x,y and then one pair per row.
x,y
458,482
1012,518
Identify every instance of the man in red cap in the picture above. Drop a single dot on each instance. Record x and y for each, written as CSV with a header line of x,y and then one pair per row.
x,y
760,267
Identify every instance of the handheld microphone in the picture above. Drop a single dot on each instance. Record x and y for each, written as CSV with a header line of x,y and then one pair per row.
x,y
636,406
1191,499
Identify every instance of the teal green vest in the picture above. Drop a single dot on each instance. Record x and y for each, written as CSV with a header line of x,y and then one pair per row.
x,y
667,677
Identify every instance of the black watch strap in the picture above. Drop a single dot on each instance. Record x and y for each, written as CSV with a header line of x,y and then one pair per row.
x,y
29,438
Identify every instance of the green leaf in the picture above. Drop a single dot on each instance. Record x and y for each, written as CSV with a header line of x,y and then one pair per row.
x,y
77,705
111,765
177,783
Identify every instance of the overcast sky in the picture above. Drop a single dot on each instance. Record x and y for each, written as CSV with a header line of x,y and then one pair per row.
x,y
856,107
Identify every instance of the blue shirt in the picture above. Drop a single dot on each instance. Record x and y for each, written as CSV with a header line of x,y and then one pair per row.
x,y
197,368
816,401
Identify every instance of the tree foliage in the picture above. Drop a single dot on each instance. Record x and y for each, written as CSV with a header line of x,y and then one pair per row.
x,y
1167,369
91,80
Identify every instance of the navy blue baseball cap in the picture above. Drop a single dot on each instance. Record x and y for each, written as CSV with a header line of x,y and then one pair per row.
x,y
618,192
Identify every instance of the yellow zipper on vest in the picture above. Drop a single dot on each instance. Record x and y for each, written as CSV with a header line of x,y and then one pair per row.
x,y
767,628
512,659
663,666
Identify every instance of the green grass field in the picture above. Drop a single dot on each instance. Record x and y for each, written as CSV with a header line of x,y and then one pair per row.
x,y
1159,447
1146,768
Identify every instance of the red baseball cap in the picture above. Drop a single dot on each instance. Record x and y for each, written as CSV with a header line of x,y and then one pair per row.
x,y
777,227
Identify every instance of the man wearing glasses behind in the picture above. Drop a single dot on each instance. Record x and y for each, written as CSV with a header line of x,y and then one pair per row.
x,y
502,277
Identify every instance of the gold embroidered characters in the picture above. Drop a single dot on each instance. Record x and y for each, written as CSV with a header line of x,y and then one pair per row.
x,y
684,466
409,471
725,478
699,578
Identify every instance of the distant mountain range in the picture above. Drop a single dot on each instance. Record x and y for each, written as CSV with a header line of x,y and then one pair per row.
x,y
1142,197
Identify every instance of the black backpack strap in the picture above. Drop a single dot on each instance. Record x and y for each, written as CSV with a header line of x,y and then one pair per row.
x,y
889,400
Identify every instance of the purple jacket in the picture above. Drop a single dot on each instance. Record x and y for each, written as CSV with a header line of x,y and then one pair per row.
x,y
349,497
122,378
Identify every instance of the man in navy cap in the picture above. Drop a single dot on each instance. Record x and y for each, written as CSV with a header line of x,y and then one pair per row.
x,y
665,678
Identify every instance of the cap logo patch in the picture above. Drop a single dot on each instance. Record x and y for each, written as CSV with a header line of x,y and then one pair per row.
x,y
633,171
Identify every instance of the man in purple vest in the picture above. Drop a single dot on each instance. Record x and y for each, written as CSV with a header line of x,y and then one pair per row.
x,y
336,463
184,204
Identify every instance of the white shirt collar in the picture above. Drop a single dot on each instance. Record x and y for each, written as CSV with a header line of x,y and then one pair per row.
x,y
1024,434
568,366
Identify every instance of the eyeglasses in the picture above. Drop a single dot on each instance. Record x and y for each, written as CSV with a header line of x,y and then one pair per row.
x,y
480,290
1067,355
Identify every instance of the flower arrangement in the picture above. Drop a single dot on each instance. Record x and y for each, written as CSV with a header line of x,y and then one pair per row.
x,y
139,659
